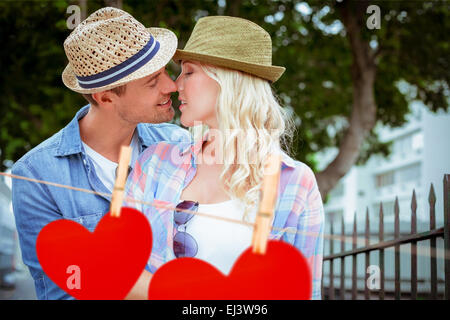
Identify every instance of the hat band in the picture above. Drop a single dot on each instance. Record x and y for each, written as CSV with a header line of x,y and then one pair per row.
x,y
121,70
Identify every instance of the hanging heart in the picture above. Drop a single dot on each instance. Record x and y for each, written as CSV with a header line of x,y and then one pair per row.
x,y
104,264
280,274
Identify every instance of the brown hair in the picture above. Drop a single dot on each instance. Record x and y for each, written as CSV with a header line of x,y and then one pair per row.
x,y
120,90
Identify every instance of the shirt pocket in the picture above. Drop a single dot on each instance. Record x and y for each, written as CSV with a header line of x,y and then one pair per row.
x,y
89,221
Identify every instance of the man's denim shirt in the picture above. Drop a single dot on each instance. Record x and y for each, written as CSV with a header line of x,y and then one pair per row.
x,y
62,159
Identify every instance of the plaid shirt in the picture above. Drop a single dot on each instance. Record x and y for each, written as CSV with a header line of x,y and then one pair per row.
x,y
164,169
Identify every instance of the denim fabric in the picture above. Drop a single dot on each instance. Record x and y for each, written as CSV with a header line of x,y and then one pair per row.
x,y
62,159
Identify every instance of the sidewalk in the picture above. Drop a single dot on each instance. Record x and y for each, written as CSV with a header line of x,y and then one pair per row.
x,y
24,288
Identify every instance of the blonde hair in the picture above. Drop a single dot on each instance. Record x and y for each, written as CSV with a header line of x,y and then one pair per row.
x,y
252,123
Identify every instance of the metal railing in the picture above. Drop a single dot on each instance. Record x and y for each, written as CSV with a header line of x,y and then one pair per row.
x,y
413,238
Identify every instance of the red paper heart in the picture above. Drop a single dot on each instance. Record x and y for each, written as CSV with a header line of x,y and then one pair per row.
x,y
280,274
104,264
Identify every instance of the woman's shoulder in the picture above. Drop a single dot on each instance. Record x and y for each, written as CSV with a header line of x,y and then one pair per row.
x,y
296,172
299,186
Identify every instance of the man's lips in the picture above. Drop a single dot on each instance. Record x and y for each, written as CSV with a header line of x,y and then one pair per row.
x,y
166,105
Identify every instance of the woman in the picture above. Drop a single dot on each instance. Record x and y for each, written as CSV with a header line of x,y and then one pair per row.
x,y
225,86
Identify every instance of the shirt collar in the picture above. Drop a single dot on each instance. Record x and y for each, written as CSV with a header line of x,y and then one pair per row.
x,y
286,160
70,142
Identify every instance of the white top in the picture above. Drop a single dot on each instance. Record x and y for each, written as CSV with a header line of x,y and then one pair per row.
x,y
221,242
105,168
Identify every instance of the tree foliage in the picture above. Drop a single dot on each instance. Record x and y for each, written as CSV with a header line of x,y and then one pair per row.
x,y
311,39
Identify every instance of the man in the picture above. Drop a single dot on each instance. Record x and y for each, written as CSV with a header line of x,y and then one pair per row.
x,y
119,66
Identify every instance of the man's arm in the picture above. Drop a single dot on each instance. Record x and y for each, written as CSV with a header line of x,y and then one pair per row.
x,y
34,208
140,289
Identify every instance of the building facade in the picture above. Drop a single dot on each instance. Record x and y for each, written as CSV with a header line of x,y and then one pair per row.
x,y
420,156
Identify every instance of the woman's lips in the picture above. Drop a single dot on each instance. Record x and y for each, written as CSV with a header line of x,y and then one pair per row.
x,y
182,106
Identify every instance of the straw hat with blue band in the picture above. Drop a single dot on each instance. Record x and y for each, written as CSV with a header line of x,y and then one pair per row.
x,y
233,43
111,48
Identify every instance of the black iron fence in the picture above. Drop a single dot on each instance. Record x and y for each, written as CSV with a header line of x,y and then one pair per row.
x,y
439,287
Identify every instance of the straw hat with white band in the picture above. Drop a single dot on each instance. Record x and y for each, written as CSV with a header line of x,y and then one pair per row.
x,y
111,48
233,43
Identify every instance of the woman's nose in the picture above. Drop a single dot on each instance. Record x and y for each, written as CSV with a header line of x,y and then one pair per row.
x,y
179,83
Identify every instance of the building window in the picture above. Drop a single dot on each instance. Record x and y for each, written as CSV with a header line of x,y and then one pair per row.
x,y
385,179
408,144
402,146
417,141
409,173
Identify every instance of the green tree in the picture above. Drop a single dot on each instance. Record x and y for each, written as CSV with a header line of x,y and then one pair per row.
x,y
341,78
411,45
33,102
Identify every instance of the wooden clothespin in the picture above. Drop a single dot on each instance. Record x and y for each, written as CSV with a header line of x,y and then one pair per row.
x,y
269,193
119,184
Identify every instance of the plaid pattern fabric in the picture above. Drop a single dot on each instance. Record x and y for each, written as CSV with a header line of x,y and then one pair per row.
x,y
164,169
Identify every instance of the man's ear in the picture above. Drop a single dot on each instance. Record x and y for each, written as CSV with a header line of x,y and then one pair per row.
x,y
103,98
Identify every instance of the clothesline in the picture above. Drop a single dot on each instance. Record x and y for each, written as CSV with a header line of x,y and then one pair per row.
x,y
159,205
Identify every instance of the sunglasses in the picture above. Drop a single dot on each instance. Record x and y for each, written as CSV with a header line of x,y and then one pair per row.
x,y
129,170
184,245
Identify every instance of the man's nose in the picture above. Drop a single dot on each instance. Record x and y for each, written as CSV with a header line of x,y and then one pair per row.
x,y
170,85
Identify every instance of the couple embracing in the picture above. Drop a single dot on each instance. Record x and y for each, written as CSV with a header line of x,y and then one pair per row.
x,y
118,65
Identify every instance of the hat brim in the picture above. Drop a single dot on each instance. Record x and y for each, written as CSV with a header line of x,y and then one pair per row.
x,y
271,73
168,44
